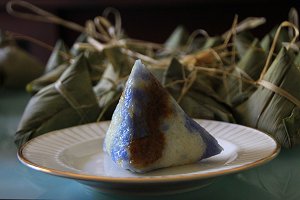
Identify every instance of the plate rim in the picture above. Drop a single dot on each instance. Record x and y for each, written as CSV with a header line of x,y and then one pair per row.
x,y
144,179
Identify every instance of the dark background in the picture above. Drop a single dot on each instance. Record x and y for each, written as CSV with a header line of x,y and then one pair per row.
x,y
151,20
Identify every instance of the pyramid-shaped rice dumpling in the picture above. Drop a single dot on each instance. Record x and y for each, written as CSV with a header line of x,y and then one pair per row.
x,y
149,130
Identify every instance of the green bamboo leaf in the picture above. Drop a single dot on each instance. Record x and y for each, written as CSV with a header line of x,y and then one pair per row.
x,y
112,81
178,38
253,61
67,102
297,60
265,110
82,38
267,41
96,59
56,65
212,42
121,63
201,101
175,42
243,41
46,79
157,72
97,64
57,56
250,65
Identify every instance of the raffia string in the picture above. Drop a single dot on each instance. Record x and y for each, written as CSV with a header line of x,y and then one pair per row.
x,y
269,58
270,85
231,36
233,64
18,36
248,23
187,84
44,16
28,38
266,84
118,20
102,29
41,15
193,36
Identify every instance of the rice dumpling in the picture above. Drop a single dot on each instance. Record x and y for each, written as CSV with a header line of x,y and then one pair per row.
x,y
149,130
17,67
56,65
67,102
271,112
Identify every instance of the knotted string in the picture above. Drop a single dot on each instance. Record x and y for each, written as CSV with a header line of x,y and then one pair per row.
x,y
268,84
18,36
246,78
101,29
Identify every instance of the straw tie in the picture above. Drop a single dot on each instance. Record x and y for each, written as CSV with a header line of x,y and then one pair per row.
x,y
101,29
268,84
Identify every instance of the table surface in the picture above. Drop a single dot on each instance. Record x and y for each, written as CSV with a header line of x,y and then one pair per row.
x,y
278,179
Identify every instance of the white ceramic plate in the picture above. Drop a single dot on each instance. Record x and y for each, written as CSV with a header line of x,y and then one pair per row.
x,y
77,153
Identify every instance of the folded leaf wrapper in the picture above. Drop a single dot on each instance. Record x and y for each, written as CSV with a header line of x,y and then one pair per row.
x,y
178,38
75,51
46,79
266,42
55,66
110,87
96,59
243,42
57,56
201,100
271,112
67,102
249,66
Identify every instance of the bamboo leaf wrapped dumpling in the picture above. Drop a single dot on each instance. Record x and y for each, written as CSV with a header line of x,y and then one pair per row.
x,y
68,102
17,67
149,130
271,112
96,59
